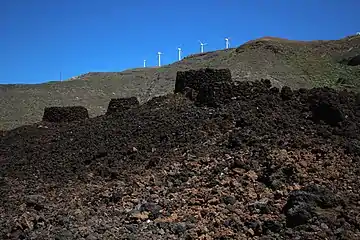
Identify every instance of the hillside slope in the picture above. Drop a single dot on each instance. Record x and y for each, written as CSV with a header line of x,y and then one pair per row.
x,y
293,63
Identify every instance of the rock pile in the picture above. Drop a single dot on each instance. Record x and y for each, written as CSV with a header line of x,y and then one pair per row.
x,y
65,114
205,86
118,105
196,79
254,162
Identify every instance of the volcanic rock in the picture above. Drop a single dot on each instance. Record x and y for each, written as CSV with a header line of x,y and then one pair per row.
x,y
65,114
118,105
259,163
197,79
301,205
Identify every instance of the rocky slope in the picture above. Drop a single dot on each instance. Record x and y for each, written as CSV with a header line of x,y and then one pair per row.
x,y
216,160
284,62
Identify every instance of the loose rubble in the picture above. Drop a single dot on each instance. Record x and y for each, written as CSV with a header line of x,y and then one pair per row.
x,y
212,161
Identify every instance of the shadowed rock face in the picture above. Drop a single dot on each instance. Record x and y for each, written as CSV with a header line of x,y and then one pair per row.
x,y
354,61
118,105
65,114
228,161
303,205
197,79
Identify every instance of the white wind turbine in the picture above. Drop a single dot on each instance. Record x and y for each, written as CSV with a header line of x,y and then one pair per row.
x,y
227,42
159,58
202,46
144,63
179,53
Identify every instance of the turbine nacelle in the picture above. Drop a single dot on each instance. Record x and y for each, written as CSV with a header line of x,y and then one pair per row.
x,y
227,42
202,46
159,58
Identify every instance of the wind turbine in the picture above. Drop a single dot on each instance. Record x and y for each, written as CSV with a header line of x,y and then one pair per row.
x,y
202,46
144,63
179,53
227,42
159,58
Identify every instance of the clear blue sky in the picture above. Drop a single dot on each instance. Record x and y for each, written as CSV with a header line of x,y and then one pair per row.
x,y
41,38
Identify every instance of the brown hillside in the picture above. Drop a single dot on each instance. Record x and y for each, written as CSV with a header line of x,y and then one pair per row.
x,y
297,64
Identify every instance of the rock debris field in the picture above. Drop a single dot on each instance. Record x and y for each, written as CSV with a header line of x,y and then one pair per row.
x,y
215,160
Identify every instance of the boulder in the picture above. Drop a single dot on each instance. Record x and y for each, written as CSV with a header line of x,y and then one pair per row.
x,y
303,206
117,105
65,114
215,94
196,79
207,86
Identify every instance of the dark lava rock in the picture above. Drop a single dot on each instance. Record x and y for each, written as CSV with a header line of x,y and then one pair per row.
x,y
286,93
178,156
196,79
65,114
190,93
178,228
35,201
214,94
275,176
153,208
229,200
261,207
256,226
64,235
215,88
327,105
328,113
117,105
301,205
272,226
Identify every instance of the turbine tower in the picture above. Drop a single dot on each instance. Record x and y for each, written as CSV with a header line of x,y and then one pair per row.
x,y
227,42
144,63
159,58
202,46
179,53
